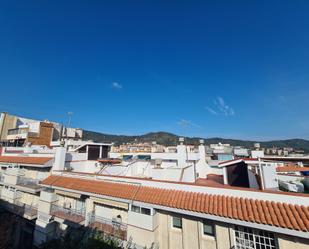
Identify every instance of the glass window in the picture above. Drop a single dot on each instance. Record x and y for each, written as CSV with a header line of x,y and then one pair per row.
x,y
135,209
145,211
208,228
177,222
253,239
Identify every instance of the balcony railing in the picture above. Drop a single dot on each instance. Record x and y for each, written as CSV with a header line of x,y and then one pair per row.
x,y
21,209
107,226
17,131
73,215
28,182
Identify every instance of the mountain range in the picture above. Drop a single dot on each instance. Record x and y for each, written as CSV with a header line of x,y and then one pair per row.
x,y
170,139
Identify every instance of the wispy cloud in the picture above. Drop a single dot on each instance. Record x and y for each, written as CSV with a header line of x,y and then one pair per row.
x,y
211,111
116,85
188,123
220,108
282,99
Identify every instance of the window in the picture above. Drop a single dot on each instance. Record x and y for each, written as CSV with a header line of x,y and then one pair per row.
x,y
177,222
248,238
140,210
208,228
145,211
135,209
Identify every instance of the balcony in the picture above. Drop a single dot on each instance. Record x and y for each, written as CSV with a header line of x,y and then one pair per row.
x,y
14,170
69,214
29,183
21,209
110,227
145,221
18,133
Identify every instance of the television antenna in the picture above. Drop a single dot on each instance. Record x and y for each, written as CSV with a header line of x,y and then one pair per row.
x,y
70,114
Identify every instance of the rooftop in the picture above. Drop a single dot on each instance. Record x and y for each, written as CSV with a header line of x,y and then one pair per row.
x,y
25,160
292,169
277,214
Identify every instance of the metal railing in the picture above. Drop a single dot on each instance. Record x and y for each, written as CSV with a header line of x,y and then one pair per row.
x,y
16,131
70,214
30,210
27,181
111,227
19,131
20,208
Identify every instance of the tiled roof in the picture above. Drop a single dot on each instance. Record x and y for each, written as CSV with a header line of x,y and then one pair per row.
x,y
295,217
25,160
292,169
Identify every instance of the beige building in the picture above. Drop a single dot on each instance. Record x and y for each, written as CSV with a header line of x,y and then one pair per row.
x,y
19,183
172,215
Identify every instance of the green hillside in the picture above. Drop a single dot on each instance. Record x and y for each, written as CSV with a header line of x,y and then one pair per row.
x,y
169,139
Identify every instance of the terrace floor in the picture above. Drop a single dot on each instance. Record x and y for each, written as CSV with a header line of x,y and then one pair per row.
x,y
76,218
109,229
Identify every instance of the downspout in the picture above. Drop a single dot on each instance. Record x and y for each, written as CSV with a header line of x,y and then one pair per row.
x,y
198,235
262,174
135,193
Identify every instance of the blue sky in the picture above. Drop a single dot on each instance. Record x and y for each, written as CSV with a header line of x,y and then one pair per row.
x,y
236,69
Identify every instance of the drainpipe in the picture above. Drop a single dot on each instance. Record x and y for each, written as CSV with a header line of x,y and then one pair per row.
x,y
262,174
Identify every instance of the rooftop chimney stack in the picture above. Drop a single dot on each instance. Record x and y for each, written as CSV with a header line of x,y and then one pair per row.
x,y
59,162
181,140
182,154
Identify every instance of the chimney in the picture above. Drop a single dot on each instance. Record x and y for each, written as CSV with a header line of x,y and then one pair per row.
x,y
201,150
181,153
59,158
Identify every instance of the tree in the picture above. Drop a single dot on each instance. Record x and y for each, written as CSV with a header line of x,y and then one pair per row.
x,y
84,238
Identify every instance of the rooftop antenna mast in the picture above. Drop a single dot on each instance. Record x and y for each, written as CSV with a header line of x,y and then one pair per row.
x,y
70,114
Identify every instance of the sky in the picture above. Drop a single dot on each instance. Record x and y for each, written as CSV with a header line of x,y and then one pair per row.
x,y
233,69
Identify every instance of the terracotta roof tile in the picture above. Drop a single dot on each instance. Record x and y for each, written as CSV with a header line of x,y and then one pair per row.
x,y
292,169
25,160
258,211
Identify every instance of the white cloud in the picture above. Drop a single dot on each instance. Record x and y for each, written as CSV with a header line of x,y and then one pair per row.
x,y
116,85
221,108
211,111
187,123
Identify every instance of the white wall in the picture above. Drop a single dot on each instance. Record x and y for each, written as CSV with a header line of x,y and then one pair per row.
x,y
75,156
84,166
257,153
270,176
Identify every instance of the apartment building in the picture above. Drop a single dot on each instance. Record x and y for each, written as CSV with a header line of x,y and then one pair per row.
x,y
19,179
21,170
172,215
18,131
58,189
